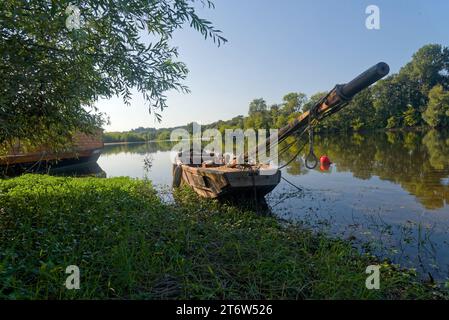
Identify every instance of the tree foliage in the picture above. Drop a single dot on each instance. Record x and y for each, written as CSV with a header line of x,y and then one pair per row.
x,y
401,100
412,117
437,112
51,75
257,106
293,102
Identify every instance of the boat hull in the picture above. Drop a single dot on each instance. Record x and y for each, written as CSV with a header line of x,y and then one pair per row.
x,y
38,163
86,149
221,182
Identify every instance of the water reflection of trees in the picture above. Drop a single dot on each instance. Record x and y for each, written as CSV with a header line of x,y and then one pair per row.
x,y
419,162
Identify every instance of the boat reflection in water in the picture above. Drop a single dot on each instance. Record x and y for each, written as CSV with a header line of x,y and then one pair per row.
x,y
89,169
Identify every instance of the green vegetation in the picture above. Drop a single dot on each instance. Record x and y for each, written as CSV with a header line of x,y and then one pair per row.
x,y
128,244
139,135
416,96
113,137
52,74
437,112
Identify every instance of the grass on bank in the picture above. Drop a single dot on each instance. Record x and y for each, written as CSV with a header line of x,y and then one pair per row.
x,y
129,245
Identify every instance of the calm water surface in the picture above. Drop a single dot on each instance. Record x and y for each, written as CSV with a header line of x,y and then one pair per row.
x,y
387,192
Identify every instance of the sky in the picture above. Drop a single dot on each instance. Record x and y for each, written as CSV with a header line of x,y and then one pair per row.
x,y
282,46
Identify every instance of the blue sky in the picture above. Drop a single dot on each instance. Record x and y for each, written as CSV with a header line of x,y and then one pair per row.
x,y
282,46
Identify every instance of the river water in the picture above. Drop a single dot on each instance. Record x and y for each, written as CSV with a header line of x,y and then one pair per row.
x,y
386,192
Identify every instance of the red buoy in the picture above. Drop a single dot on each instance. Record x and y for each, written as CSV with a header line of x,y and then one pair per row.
x,y
325,163
324,160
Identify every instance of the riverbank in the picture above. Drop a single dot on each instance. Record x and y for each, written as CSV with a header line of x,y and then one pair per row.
x,y
129,245
124,143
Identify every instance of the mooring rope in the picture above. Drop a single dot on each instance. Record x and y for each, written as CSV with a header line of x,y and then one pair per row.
x,y
292,184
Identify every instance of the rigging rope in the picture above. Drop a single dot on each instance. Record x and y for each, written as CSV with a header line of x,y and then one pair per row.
x,y
313,119
292,184
311,155
293,158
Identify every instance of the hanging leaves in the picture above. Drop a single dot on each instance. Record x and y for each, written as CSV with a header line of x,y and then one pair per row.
x,y
53,69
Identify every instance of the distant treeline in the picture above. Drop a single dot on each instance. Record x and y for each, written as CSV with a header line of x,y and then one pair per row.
x,y
415,96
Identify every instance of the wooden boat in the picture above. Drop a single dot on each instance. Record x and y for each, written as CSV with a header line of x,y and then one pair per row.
x,y
86,149
217,179
213,181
